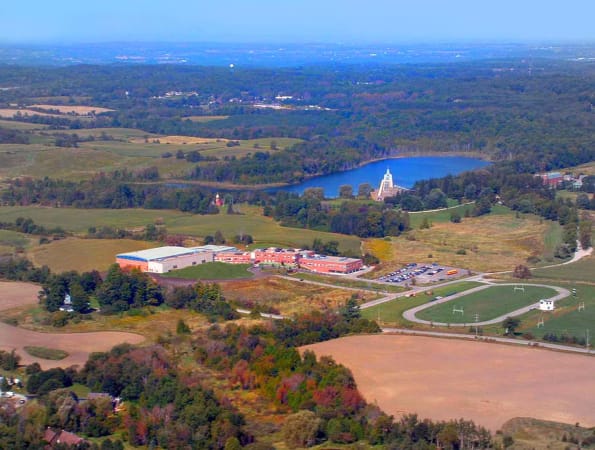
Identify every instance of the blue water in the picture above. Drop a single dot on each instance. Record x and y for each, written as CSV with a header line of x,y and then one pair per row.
x,y
405,171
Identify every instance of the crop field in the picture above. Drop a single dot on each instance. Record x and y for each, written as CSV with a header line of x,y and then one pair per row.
x,y
205,119
73,109
582,270
566,319
83,254
391,313
487,383
287,297
489,243
212,271
489,303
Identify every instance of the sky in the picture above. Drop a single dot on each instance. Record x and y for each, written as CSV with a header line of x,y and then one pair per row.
x,y
296,21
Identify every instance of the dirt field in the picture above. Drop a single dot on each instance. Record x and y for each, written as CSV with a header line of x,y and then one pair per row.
x,y
178,140
448,379
78,345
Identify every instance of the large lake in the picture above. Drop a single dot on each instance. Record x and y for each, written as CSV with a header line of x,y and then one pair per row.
x,y
405,171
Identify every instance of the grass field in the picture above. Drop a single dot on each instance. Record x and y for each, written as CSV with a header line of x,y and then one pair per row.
x,y
53,354
391,313
489,303
251,221
205,119
566,318
83,254
494,242
14,239
416,218
583,270
347,282
73,109
212,271
127,148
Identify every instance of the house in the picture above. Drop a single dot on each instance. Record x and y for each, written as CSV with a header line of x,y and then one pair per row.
x,y
67,305
56,437
546,305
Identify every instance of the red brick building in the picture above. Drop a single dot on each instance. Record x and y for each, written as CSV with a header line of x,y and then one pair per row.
x,y
236,257
331,264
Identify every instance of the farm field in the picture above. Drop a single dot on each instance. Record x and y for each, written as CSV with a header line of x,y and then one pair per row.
x,y
83,255
250,221
73,109
78,348
566,319
489,303
487,383
212,271
391,313
582,270
495,242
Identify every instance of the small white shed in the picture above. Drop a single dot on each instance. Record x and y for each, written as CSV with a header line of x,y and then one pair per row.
x,y
546,305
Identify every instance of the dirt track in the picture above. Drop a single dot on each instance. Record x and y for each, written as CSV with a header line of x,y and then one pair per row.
x,y
447,379
78,345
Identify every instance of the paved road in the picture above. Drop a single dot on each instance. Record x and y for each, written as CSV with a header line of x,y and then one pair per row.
x,y
500,340
410,313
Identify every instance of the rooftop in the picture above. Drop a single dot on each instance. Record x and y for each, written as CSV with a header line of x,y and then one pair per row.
x,y
153,254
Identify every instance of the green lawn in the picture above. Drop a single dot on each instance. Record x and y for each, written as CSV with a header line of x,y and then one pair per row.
x,y
492,302
566,318
212,271
53,354
416,218
251,221
391,313
13,239
583,270
347,282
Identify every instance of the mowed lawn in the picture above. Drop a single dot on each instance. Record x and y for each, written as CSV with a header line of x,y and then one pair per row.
x,y
212,271
392,312
250,221
489,303
566,319
582,270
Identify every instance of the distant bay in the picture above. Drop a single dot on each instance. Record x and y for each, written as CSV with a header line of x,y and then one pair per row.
x,y
405,171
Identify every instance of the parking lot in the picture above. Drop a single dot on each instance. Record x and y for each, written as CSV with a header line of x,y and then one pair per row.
x,y
422,273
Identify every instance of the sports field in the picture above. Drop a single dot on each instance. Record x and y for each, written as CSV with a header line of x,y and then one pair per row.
x,y
567,319
444,379
391,313
489,303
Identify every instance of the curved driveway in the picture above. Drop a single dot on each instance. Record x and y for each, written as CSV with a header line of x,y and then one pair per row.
x,y
410,313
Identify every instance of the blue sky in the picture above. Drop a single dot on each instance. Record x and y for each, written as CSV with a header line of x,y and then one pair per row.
x,y
289,21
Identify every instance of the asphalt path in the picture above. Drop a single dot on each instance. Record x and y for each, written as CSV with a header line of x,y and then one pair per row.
x,y
410,313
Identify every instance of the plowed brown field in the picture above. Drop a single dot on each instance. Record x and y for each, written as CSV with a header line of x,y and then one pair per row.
x,y
488,383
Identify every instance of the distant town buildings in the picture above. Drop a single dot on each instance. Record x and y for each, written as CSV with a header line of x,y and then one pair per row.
x,y
166,259
557,179
387,188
